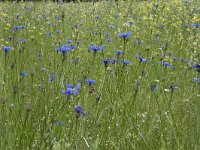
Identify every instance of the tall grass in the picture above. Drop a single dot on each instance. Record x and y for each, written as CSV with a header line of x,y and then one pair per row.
x,y
145,98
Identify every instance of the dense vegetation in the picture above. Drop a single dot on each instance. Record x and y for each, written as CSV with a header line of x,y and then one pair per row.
x,y
50,1
100,75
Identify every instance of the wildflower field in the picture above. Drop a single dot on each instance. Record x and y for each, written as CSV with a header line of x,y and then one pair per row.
x,y
102,75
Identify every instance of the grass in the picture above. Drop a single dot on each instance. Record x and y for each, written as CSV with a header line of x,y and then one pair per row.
x,y
151,103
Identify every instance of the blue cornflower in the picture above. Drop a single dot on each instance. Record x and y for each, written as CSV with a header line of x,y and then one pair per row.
x,y
79,110
106,61
96,48
165,63
125,34
6,48
65,48
153,87
23,74
126,62
118,52
130,22
90,81
70,86
77,88
197,67
196,79
70,89
58,31
142,59
19,27
113,60
196,25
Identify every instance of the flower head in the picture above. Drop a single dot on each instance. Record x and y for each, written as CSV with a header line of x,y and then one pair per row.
x,y
19,27
118,52
196,25
196,80
79,110
142,59
165,63
6,48
126,62
65,48
124,34
77,88
71,90
106,61
197,67
96,48
90,81
114,60
23,74
58,31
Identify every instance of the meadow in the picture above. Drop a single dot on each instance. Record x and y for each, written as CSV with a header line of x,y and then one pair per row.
x,y
102,75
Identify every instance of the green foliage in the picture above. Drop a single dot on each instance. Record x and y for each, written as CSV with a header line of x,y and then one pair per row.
x,y
124,110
